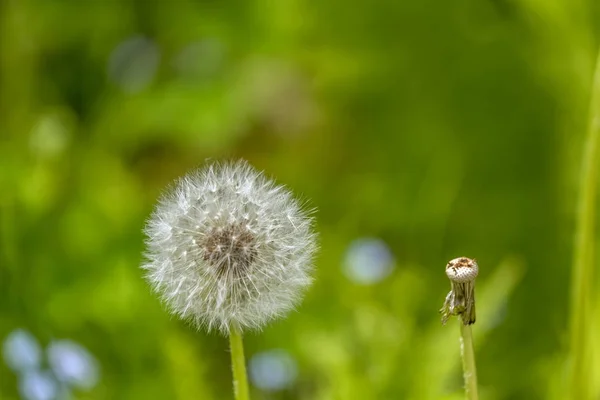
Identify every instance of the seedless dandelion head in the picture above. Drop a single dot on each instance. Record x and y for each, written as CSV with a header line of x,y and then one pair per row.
x,y
227,246
462,269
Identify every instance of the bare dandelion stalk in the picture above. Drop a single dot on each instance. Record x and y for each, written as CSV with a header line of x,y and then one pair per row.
x,y
468,360
461,302
580,373
229,250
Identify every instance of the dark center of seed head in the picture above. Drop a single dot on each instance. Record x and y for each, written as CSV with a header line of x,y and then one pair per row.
x,y
230,249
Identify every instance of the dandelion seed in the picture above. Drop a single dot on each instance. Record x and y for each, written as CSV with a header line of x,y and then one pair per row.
x,y
227,248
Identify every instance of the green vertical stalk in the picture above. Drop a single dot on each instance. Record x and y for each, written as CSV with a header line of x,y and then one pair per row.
x,y
468,360
580,374
238,365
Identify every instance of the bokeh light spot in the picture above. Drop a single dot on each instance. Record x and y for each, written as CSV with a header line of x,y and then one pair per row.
x,y
133,64
21,351
368,261
273,370
73,364
38,385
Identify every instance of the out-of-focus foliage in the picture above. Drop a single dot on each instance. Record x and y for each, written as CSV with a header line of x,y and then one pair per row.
x,y
421,130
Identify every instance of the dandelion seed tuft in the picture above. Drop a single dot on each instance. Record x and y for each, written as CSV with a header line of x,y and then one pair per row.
x,y
228,247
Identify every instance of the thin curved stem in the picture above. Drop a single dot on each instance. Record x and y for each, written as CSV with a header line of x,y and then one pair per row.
x,y
238,365
468,359
580,375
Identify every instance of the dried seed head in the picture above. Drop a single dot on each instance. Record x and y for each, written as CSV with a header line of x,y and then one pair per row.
x,y
460,301
462,270
226,246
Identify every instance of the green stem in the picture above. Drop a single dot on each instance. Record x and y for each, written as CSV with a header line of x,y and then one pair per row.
x,y
238,365
468,359
580,375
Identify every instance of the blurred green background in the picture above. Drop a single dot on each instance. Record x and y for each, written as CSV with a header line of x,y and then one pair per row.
x,y
421,130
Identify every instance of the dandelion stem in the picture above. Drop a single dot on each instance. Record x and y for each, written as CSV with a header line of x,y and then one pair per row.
x,y
238,365
583,258
468,359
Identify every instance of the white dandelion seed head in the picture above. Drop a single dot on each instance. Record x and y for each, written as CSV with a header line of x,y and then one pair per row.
x,y
228,247
462,269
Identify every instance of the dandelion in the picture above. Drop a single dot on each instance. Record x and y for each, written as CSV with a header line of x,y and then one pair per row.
x,y
229,250
461,299
461,302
